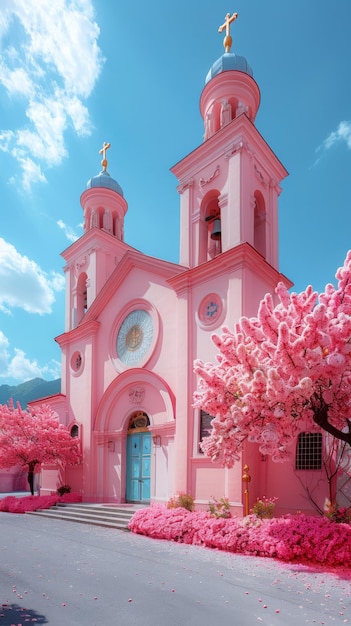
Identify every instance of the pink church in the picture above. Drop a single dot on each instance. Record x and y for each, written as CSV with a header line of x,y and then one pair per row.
x,y
135,324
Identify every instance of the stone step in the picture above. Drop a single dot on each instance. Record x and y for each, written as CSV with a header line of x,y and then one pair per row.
x,y
95,514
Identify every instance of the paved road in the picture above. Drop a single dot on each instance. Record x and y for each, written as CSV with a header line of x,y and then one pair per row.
x,y
62,573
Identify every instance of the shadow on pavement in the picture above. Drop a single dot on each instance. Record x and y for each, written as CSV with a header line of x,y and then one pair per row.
x,y
13,615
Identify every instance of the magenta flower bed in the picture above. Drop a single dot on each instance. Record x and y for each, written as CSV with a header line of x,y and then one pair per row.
x,y
11,504
292,537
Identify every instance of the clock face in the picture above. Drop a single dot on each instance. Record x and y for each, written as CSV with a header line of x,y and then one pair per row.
x,y
134,337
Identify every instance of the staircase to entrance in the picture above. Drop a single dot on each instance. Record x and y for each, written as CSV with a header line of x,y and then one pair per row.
x,y
108,515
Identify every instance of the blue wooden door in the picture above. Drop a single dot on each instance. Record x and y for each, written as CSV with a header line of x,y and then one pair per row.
x,y
138,467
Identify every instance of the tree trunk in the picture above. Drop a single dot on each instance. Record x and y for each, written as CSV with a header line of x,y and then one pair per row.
x,y
31,481
320,418
30,477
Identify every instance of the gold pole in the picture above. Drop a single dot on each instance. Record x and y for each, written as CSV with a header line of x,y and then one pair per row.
x,y
246,479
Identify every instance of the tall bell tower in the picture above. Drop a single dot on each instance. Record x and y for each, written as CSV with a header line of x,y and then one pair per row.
x,y
229,186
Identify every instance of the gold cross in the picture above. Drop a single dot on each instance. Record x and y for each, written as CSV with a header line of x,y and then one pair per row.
x,y
227,43
105,146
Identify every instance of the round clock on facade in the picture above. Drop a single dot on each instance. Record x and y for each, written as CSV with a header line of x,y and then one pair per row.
x,y
134,337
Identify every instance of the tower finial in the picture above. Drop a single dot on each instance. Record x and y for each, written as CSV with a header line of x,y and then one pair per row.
x,y
105,146
227,43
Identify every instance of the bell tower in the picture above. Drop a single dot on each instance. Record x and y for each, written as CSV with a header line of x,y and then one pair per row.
x,y
229,188
92,258
229,185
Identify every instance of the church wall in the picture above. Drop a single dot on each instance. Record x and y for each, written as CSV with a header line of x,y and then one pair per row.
x,y
150,290
103,405
287,484
214,302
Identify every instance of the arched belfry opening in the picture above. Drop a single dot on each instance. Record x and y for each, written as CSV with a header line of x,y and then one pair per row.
x,y
260,224
211,244
82,297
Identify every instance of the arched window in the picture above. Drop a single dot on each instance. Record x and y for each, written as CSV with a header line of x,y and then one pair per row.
x,y
213,232
260,224
75,430
138,421
82,299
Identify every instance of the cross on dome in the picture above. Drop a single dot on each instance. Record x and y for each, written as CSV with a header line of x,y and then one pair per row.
x,y
105,146
229,19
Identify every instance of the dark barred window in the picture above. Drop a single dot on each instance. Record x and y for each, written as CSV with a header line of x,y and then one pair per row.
x,y
309,451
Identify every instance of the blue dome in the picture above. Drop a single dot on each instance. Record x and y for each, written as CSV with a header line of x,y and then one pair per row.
x,y
229,61
104,180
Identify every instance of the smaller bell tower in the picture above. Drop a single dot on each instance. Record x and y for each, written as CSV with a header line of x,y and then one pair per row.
x,y
92,258
229,185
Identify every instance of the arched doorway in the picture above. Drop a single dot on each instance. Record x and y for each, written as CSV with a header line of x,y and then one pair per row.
x,y
138,458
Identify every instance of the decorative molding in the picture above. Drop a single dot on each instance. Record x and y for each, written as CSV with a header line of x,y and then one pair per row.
x,y
237,146
186,185
273,184
80,264
260,176
136,394
205,181
252,201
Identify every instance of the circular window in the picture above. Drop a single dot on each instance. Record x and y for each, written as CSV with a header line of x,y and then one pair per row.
x,y
134,337
76,362
210,310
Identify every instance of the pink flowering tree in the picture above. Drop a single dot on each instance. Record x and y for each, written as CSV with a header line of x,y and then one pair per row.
x,y
34,436
285,371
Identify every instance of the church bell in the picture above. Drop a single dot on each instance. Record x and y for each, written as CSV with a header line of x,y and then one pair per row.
x,y
216,231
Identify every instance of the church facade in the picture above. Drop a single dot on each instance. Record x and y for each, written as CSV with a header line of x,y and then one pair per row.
x,y
135,324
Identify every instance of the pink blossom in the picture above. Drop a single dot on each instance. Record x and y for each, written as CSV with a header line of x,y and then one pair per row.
x,y
35,436
285,371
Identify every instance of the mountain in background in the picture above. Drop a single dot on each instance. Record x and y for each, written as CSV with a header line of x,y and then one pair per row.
x,y
31,390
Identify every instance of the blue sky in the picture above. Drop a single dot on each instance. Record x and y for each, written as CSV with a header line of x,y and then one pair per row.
x,y
76,73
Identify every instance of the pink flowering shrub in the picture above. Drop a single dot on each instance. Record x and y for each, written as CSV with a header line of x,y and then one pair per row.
x,y
219,508
11,504
336,514
287,538
264,507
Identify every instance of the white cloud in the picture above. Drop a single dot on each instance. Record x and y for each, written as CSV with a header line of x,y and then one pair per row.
x,y
4,353
341,135
53,68
17,81
6,137
31,171
20,368
69,232
23,284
